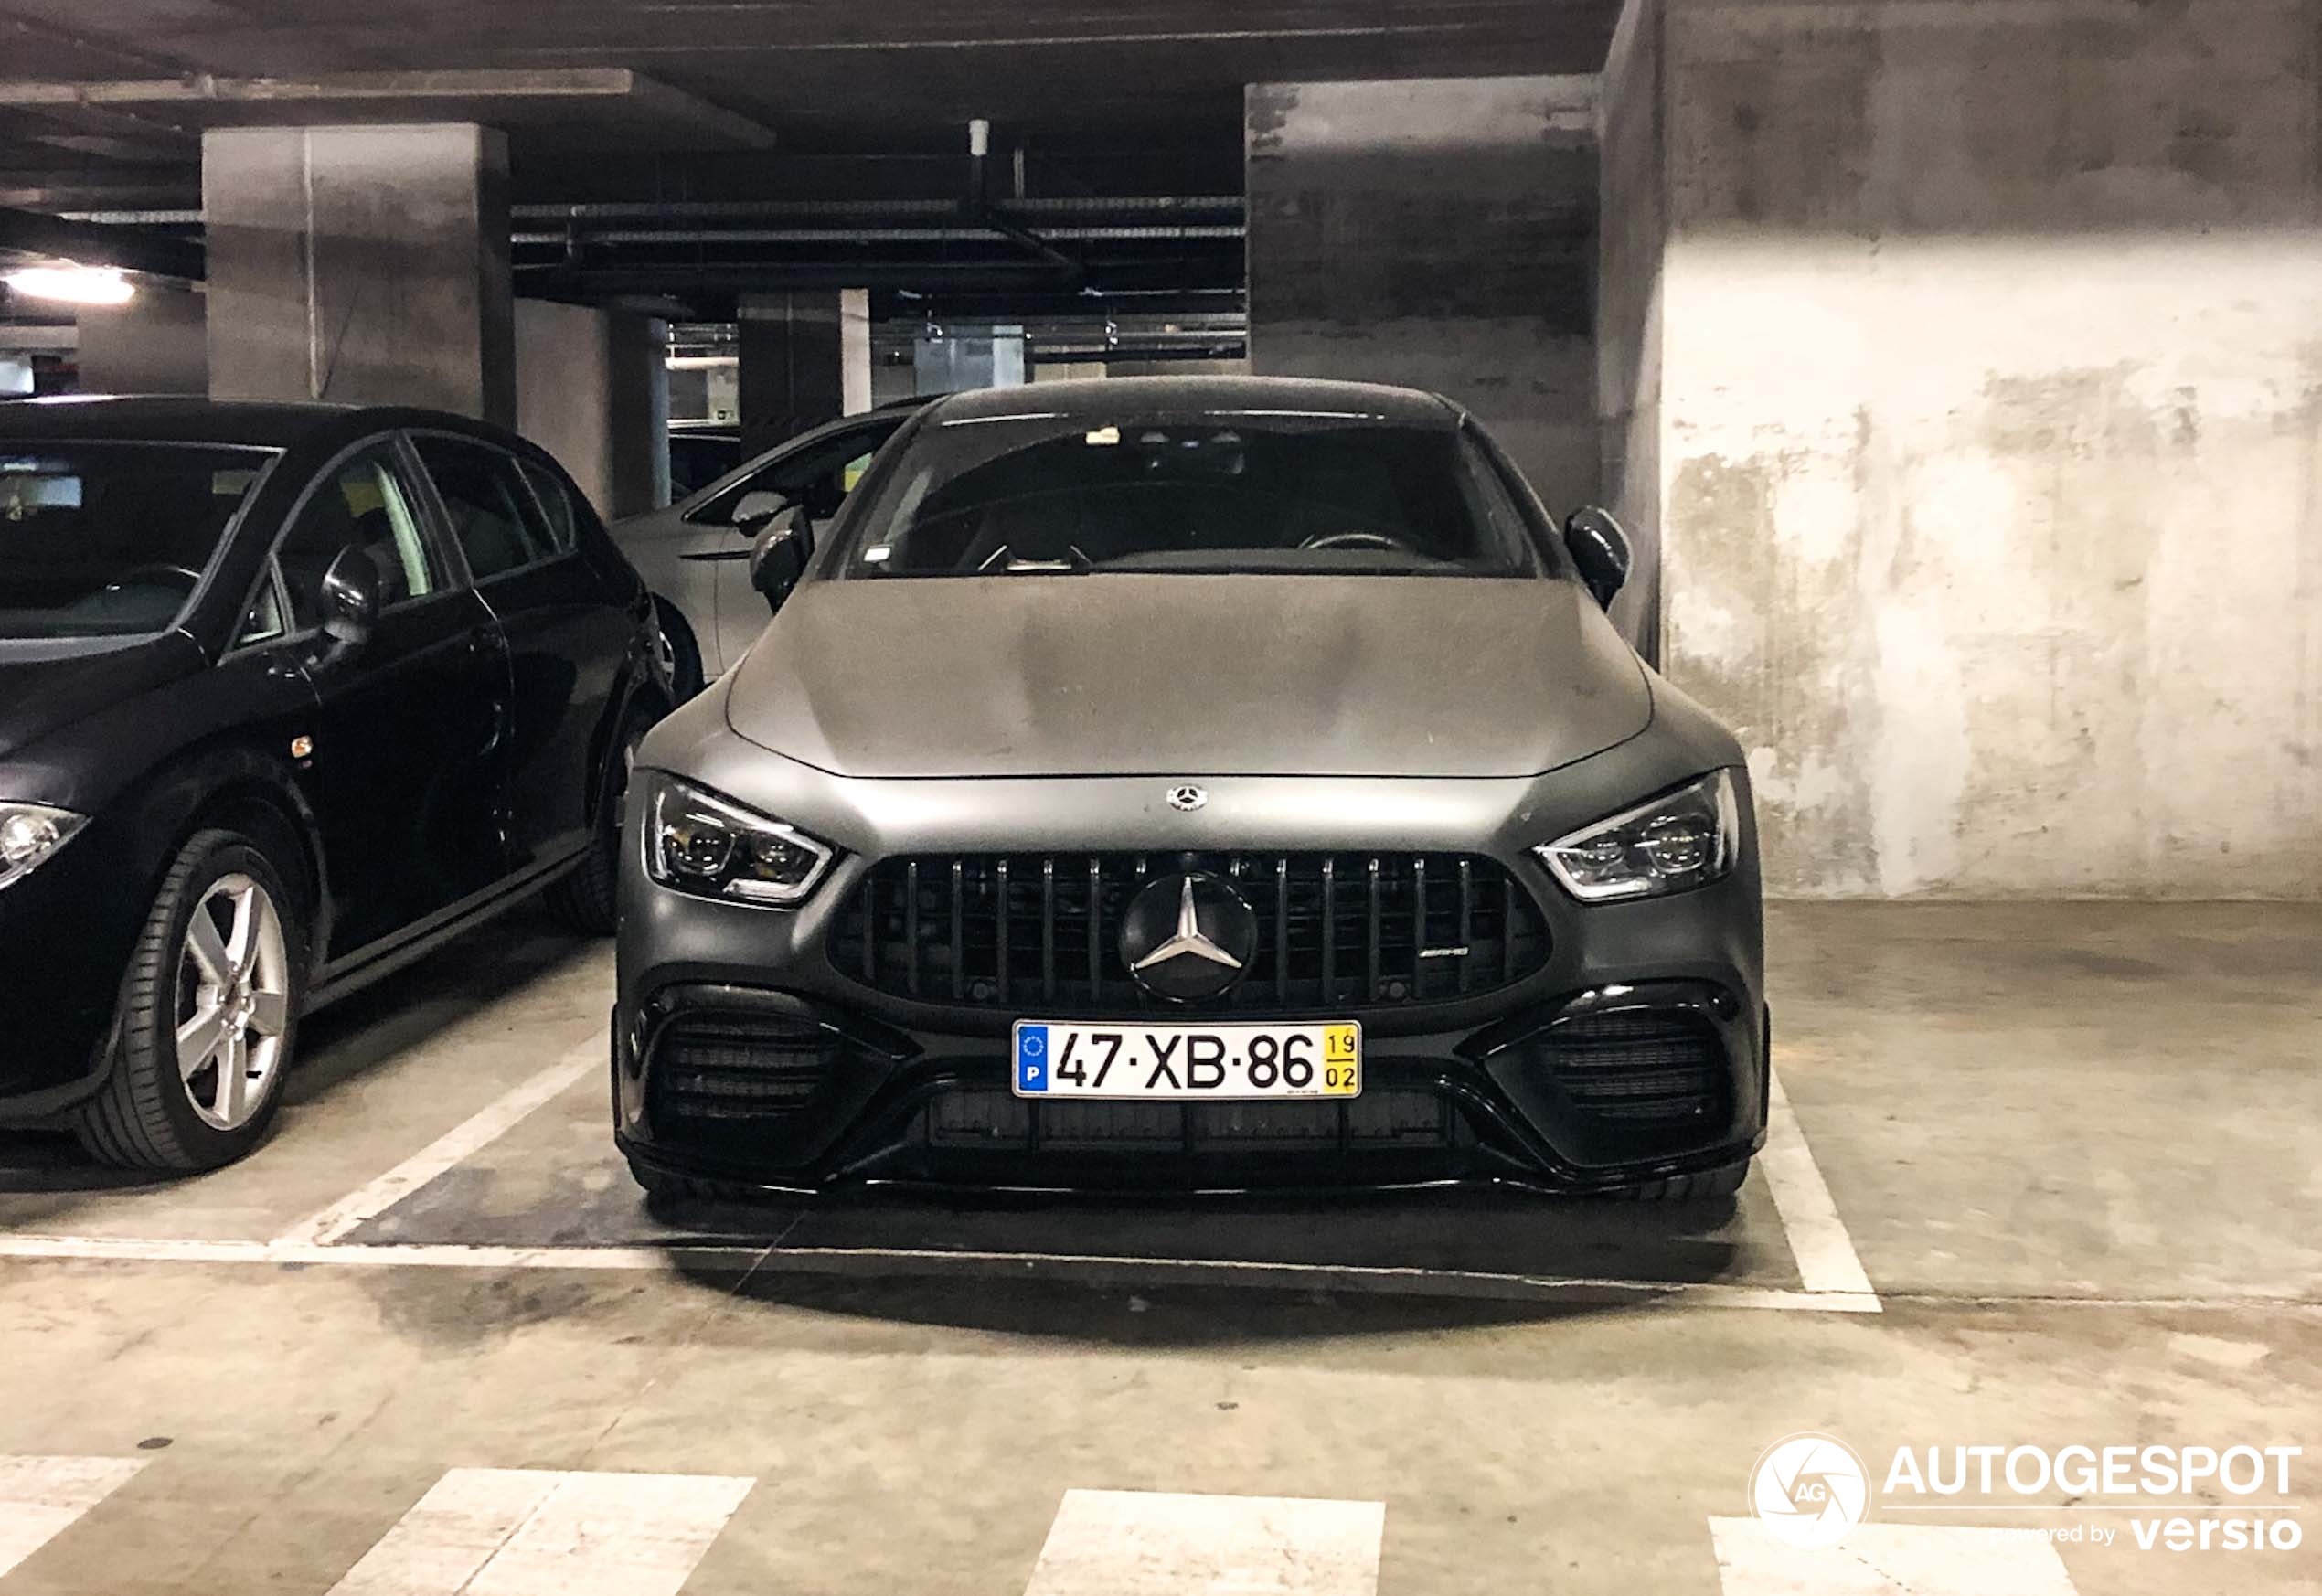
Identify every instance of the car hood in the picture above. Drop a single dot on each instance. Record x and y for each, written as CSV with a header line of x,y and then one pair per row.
x,y
1123,674
44,686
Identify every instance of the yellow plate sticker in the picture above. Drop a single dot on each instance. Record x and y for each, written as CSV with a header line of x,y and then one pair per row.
x,y
1341,1060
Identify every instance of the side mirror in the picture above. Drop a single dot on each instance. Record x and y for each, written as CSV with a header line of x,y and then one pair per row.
x,y
755,508
350,603
778,558
1599,548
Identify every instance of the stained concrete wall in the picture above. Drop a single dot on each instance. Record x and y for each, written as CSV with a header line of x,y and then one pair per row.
x,y
592,389
365,265
1990,434
158,343
1434,233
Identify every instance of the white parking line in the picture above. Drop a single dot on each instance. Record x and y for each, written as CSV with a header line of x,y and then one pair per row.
x,y
1887,1560
1150,1543
1819,1240
41,1497
534,1532
487,1125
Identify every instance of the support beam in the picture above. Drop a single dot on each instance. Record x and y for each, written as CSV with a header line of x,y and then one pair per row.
x,y
361,264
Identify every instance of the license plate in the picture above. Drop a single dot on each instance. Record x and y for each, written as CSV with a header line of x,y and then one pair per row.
x,y
1212,1063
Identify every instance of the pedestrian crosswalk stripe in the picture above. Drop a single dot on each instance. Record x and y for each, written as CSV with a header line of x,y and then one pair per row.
x,y
538,1532
1887,1559
1148,1543
41,1497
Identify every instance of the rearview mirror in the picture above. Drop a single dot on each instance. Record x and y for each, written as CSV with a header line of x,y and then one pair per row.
x,y
1599,550
755,508
778,558
350,604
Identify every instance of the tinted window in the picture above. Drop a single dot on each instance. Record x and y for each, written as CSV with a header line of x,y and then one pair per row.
x,y
1220,491
493,515
100,539
819,478
555,503
363,505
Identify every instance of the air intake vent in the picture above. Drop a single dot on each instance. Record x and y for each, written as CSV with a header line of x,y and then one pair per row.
x,y
1340,932
739,1067
1641,1068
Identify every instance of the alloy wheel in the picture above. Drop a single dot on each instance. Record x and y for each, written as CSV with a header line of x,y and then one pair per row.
x,y
233,1002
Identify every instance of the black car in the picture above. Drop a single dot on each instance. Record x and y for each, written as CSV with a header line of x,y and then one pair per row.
x,y
289,694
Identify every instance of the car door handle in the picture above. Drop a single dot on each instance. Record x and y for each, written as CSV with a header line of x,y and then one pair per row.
x,y
717,554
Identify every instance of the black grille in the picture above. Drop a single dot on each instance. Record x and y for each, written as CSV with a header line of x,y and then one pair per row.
x,y
719,1067
996,1120
1650,1068
1336,931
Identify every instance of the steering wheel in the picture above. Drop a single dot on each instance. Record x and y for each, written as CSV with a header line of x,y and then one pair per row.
x,y
143,575
1357,540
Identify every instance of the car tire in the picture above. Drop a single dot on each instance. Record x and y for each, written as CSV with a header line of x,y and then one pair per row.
x,y
681,651
585,899
1706,1187
155,1112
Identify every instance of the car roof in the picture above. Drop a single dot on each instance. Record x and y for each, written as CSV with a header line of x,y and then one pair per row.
x,y
183,418
1113,396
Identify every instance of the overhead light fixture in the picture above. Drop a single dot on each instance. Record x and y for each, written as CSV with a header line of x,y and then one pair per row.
x,y
77,284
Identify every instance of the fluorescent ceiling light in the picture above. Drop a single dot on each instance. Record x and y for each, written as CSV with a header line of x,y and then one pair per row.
x,y
79,284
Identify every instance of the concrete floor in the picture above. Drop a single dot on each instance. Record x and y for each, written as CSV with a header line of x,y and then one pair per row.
x,y
2073,1147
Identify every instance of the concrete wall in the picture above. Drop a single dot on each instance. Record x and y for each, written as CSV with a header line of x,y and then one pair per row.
x,y
592,389
1989,432
158,343
365,265
1435,233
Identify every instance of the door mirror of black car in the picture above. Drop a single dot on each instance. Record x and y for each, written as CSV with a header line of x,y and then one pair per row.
x,y
350,604
755,508
1600,550
779,559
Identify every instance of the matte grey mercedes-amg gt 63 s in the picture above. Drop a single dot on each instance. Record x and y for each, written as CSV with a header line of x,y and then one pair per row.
x,y
1199,783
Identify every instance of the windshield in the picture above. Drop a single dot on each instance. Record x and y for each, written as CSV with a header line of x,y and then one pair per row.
x,y
111,539
1210,491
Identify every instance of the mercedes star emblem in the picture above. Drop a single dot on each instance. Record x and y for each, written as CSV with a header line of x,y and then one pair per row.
x,y
1188,797
1187,938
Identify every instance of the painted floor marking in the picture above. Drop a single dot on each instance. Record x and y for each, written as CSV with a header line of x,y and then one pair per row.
x,y
537,1532
1150,1543
1088,1268
1887,1560
472,1135
40,1497
1819,1240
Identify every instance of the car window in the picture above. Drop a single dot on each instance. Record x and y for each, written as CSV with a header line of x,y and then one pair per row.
x,y
819,478
106,539
363,503
494,518
556,504
265,620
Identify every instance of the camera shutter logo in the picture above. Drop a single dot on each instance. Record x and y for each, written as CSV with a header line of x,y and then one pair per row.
x,y
1809,1490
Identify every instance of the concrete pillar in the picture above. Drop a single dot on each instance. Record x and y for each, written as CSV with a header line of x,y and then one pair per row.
x,y
1972,352
158,343
792,348
592,389
1435,233
360,264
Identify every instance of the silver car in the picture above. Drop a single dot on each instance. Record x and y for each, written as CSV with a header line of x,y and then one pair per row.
x,y
1194,783
694,554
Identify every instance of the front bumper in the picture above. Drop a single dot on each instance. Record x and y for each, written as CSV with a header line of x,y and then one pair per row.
x,y
66,931
741,1054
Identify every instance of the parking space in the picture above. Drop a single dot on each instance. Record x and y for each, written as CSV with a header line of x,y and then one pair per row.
x,y
871,1393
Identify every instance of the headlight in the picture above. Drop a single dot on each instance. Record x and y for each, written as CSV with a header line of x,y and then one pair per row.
x,y
29,832
700,843
1674,843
